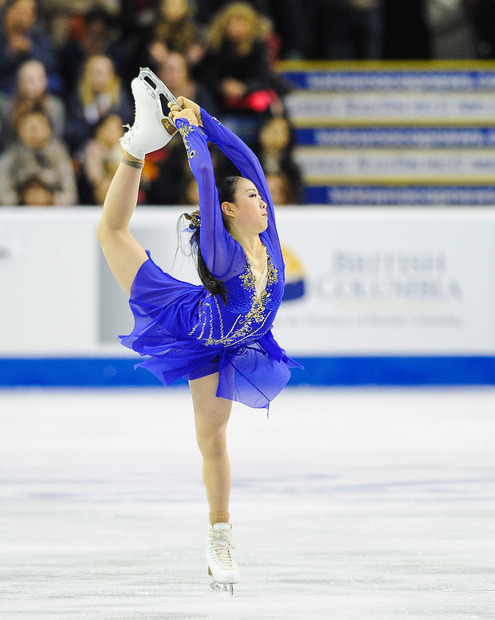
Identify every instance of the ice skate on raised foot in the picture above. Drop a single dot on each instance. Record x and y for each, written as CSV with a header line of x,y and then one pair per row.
x,y
155,86
221,564
152,129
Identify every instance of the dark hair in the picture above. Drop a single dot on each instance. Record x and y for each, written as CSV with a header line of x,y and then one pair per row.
x,y
226,192
226,189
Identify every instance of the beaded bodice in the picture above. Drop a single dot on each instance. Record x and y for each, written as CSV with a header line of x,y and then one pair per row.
x,y
246,316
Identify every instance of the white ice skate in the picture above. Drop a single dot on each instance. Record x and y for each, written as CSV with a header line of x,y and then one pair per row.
x,y
221,564
152,129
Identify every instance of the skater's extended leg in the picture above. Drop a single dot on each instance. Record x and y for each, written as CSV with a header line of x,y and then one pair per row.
x,y
211,417
151,130
123,253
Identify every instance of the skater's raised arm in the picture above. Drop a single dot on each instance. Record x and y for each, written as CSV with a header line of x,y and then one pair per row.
x,y
242,157
223,257
247,163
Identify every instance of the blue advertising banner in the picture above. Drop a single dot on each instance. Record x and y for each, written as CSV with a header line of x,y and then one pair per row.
x,y
414,137
400,195
475,80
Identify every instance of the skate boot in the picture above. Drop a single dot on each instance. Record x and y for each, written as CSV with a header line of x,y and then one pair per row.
x,y
221,564
152,129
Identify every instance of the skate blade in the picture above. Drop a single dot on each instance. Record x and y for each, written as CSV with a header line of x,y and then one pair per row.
x,y
155,86
222,588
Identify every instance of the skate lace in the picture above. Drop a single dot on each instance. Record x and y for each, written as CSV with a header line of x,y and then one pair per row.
x,y
220,545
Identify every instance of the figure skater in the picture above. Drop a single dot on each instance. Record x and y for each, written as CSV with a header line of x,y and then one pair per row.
x,y
218,334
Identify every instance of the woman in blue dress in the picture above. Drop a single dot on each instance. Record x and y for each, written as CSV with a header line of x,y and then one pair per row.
x,y
218,334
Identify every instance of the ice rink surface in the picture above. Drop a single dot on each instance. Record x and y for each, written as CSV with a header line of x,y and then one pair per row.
x,y
346,505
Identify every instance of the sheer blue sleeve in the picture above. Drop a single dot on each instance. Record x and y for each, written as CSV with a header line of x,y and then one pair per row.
x,y
223,256
249,166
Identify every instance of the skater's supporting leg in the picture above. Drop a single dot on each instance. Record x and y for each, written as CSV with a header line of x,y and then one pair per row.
x,y
211,418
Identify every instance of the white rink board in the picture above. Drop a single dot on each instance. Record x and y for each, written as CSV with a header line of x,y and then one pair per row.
x,y
391,281
377,281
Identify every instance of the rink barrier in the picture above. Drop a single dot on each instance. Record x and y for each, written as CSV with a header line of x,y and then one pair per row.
x,y
79,372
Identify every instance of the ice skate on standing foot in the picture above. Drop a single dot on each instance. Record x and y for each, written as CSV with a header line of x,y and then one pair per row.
x,y
221,564
152,129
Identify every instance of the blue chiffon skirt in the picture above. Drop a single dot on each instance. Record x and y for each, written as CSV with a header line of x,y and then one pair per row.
x,y
165,310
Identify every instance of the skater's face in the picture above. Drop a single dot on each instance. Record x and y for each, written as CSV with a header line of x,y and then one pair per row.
x,y
248,211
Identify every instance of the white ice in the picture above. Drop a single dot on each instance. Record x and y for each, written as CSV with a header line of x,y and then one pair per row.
x,y
346,505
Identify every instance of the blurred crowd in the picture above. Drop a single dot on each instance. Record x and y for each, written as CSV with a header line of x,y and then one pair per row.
x,y
65,73
66,68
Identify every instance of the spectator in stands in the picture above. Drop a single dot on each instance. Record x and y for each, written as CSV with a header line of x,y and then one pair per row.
x,y
21,39
165,184
237,68
98,93
169,180
293,24
31,92
289,31
64,17
135,24
97,37
275,152
452,32
482,14
176,31
175,73
280,189
349,29
36,192
101,158
36,154
207,8
191,194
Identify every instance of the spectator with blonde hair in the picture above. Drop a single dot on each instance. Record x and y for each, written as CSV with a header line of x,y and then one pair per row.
x,y
237,67
99,92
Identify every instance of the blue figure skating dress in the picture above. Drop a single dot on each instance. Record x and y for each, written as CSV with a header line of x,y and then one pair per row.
x,y
188,332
